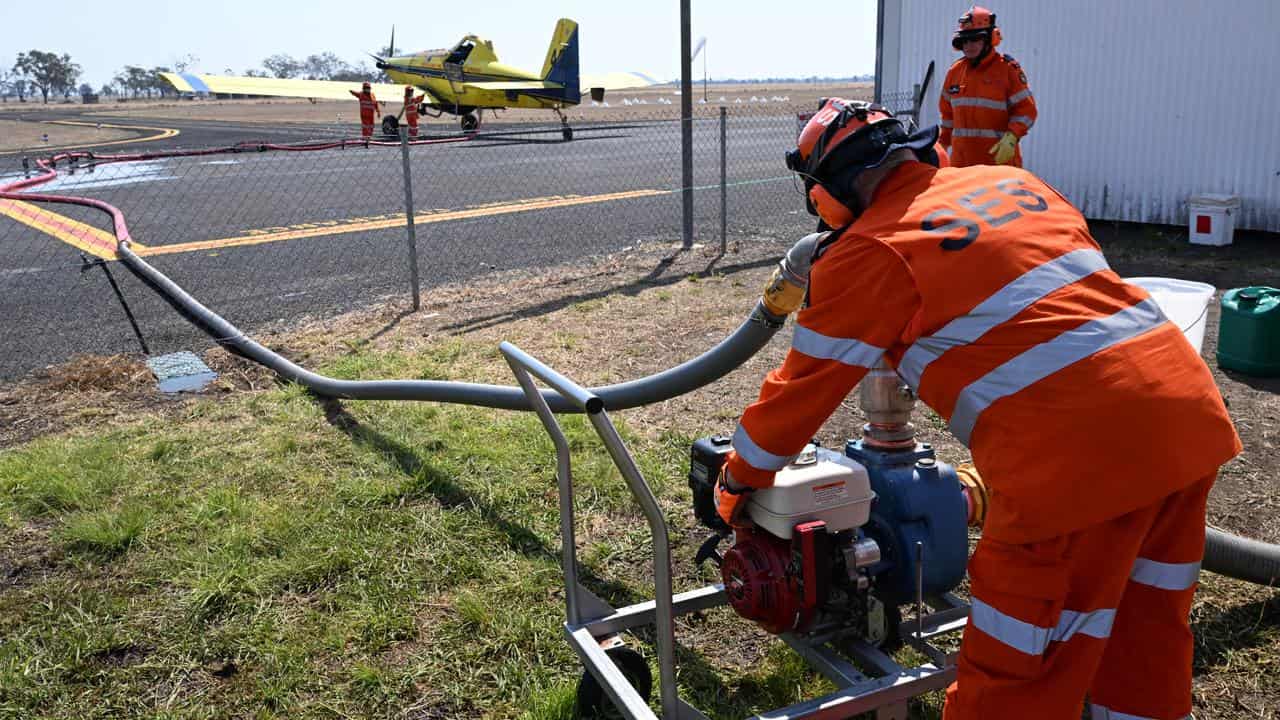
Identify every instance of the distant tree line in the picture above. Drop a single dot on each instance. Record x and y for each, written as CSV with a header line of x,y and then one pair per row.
x,y
36,71
46,74
324,66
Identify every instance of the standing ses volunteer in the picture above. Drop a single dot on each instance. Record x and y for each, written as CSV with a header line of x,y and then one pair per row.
x,y
411,109
1095,425
985,103
368,109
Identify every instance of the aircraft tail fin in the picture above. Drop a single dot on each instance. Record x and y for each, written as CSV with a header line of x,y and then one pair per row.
x,y
561,65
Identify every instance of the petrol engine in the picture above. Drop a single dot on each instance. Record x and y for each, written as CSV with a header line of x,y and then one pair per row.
x,y
842,539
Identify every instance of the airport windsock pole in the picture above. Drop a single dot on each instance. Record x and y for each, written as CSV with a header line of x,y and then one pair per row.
x,y
686,121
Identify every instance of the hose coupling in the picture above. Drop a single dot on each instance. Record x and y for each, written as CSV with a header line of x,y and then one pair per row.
x,y
785,291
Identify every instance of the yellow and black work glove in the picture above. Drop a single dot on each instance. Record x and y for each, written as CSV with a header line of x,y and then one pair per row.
x,y
1004,148
731,501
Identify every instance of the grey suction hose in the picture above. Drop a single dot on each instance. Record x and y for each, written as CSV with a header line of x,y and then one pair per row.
x,y
1241,558
753,334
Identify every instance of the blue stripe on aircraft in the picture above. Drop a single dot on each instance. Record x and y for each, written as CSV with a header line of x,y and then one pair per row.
x,y
195,82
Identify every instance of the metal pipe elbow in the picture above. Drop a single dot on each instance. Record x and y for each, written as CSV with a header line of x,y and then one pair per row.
x,y
785,291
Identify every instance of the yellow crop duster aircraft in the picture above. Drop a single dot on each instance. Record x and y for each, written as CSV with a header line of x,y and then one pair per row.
x,y
464,80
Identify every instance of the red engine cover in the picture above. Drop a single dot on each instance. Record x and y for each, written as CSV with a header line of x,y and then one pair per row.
x,y
759,589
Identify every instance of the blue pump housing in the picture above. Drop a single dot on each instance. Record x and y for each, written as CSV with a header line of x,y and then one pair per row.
x,y
918,499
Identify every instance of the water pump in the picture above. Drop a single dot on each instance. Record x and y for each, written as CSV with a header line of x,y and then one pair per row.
x,y
842,539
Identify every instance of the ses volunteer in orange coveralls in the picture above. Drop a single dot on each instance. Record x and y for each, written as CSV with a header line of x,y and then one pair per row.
x,y
1094,423
984,98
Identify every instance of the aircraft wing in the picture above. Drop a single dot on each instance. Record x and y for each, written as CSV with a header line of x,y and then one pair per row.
x,y
616,81
284,87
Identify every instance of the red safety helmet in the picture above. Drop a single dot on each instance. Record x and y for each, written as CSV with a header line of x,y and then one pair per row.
x,y
979,22
364,86
841,140
408,89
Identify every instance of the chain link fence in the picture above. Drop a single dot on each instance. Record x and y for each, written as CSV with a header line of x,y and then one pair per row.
x,y
269,234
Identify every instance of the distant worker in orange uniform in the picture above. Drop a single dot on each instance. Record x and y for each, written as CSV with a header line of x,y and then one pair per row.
x,y
1096,426
985,103
411,110
368,109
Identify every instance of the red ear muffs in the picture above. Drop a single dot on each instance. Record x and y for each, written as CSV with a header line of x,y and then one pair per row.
x,y
833,212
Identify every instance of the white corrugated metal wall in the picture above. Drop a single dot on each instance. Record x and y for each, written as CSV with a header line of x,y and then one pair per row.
x,y
1143,103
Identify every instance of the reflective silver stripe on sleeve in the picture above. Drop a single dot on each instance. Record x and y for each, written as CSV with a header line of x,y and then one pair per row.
x,y
1019,96
842,350
1017,634
1049,357
946,123
974,132
1166,576
1102,712
1003,304
1024,119
1096,623
978,102
756,456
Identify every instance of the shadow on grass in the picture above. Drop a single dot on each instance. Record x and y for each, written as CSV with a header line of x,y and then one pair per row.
x,y
391,324
695,672
654,278
1237,628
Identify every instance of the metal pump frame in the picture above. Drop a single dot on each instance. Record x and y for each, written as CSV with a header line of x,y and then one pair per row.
x,y
875,683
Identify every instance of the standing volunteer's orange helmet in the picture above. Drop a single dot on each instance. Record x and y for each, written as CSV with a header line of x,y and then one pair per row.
x,y
364,86
979,22
841,140
408,89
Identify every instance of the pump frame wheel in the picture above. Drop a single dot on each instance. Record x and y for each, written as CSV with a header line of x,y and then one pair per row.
x,y
592,702
469,122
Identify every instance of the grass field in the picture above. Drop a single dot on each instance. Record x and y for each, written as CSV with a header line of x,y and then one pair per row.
x,y
258,552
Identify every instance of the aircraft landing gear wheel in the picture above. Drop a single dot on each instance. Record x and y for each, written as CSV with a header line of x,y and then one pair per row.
x,y
391,126
567,133
469,122
593,702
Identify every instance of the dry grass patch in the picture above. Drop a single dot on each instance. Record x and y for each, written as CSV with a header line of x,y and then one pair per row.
x,y
23,135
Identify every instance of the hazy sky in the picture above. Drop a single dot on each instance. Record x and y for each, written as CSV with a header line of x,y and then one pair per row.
x,y
745,38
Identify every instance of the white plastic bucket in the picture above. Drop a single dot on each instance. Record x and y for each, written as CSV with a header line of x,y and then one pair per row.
x,y
1184,302
1212,219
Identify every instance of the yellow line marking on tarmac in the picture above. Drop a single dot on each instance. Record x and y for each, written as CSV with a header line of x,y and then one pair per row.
x,y
338,227
102,243
162,133
87,238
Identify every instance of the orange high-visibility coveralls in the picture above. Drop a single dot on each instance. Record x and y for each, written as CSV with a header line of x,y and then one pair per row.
x,y
368,111
980,104
411,112
1095,424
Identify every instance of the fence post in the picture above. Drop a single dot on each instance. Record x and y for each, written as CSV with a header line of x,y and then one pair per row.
x,y
724,183
408,213
686,129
